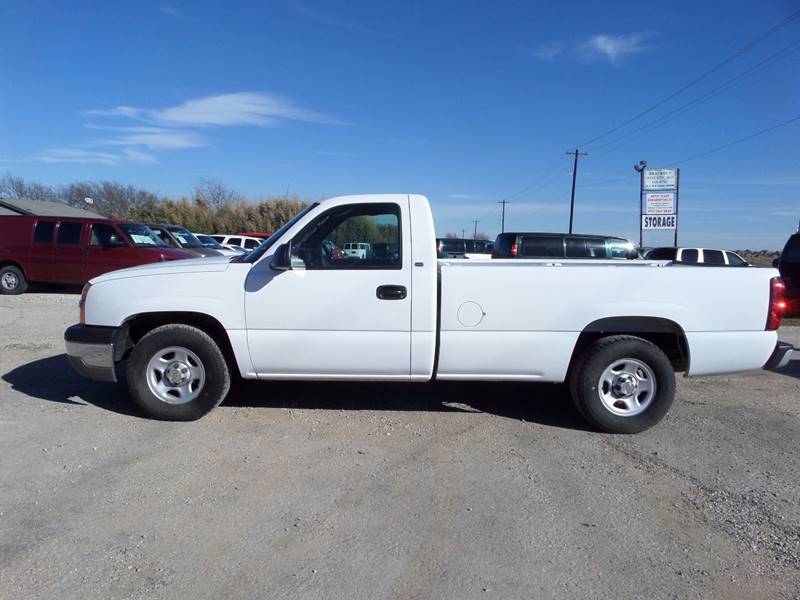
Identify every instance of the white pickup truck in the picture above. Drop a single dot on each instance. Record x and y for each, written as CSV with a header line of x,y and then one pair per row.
x,y
292,309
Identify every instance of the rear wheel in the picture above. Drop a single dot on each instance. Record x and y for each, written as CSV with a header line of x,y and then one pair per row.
x,y
623,384
177,373
12,281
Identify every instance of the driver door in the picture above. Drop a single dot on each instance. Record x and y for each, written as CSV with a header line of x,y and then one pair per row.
x,y
335,315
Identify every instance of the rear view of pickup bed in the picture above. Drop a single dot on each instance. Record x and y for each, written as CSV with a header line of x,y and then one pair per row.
x,y
293,308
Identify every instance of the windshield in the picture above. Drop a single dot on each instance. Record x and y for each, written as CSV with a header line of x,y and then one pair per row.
x,y
209,242
185,238
258,252
141,235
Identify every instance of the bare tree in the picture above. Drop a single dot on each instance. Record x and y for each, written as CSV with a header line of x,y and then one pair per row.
x,y
215,193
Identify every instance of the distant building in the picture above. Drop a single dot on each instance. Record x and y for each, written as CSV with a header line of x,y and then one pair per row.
x,y
43,208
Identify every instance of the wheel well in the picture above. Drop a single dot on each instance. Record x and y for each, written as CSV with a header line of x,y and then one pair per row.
x,y
11,263
666,334
139,325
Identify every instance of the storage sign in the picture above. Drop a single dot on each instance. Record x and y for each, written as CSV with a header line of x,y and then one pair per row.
x,y
660,179
658,221
659,204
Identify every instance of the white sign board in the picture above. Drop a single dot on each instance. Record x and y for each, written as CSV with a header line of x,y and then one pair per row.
x,y
658,221
659,204
660,179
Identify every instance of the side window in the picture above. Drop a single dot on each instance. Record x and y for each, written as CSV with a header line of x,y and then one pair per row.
x,y
101,234
689,255
586,247
542,246
69,233
735,260
164,237
713,257
43,234
235,241
359,236
250,244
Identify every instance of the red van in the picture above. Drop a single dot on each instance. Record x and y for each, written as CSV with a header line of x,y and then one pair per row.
x,y
72,250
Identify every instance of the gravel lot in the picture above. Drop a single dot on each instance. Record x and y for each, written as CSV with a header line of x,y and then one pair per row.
x,y
387,491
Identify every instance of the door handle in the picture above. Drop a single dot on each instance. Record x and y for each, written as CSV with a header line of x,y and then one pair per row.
x,y
391,292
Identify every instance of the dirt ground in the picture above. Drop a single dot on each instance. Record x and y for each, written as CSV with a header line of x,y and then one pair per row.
x,y
387,491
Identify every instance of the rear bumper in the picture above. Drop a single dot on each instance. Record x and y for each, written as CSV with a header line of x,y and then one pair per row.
x,y
92,350
780,356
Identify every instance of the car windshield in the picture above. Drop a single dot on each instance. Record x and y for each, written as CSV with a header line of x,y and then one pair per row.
x,y
141,235
258,252
209,242
185,238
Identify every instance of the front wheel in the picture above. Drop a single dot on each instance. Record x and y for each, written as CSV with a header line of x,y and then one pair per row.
x,y
12,280
623,384
177,373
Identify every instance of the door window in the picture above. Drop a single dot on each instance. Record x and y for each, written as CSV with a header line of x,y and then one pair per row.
x,y
43,234
250,244
735,260
586,247
69,233
235,241
542,246
690,255
713,257
101,234
369,234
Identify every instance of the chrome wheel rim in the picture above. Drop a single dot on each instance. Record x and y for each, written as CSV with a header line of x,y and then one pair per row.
x,y
627,387
175,375
9,281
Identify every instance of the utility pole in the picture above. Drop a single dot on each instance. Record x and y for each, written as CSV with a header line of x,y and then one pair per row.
x,y
574,175
503,218
475,231
463,235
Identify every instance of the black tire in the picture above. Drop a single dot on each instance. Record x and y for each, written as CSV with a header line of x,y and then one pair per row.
x,y
210,393
590,366
12,281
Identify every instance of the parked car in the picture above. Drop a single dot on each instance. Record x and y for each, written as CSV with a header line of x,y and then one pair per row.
x,y
212,244
71,250
243,241
789,267
702,256
562,245
460,248
616,332
357,250
180,237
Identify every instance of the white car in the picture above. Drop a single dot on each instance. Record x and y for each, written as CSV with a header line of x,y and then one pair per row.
x,y
356,249
241,241
616,331
209,242
702,256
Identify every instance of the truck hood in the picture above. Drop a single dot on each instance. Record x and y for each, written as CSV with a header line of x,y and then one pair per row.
x,y
191,265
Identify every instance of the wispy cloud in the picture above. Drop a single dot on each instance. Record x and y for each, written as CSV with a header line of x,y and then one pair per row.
x,y
600,47
77,156
241,108
136,134
170,10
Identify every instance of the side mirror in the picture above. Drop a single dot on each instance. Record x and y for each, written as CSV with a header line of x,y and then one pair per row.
x,y
282,259
114,241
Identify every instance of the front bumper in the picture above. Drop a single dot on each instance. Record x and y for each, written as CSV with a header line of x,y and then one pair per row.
x,y
780,356
92,350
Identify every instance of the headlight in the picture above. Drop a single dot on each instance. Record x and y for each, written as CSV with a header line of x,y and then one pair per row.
x,y
82,302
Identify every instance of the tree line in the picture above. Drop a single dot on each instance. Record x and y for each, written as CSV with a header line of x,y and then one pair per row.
x,y
211,208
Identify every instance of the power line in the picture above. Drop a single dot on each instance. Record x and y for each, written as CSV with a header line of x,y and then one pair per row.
x,y
548,172
734,142
743,50
771,59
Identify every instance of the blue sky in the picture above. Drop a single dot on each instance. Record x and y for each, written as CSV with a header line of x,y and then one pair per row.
x,y
466,102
